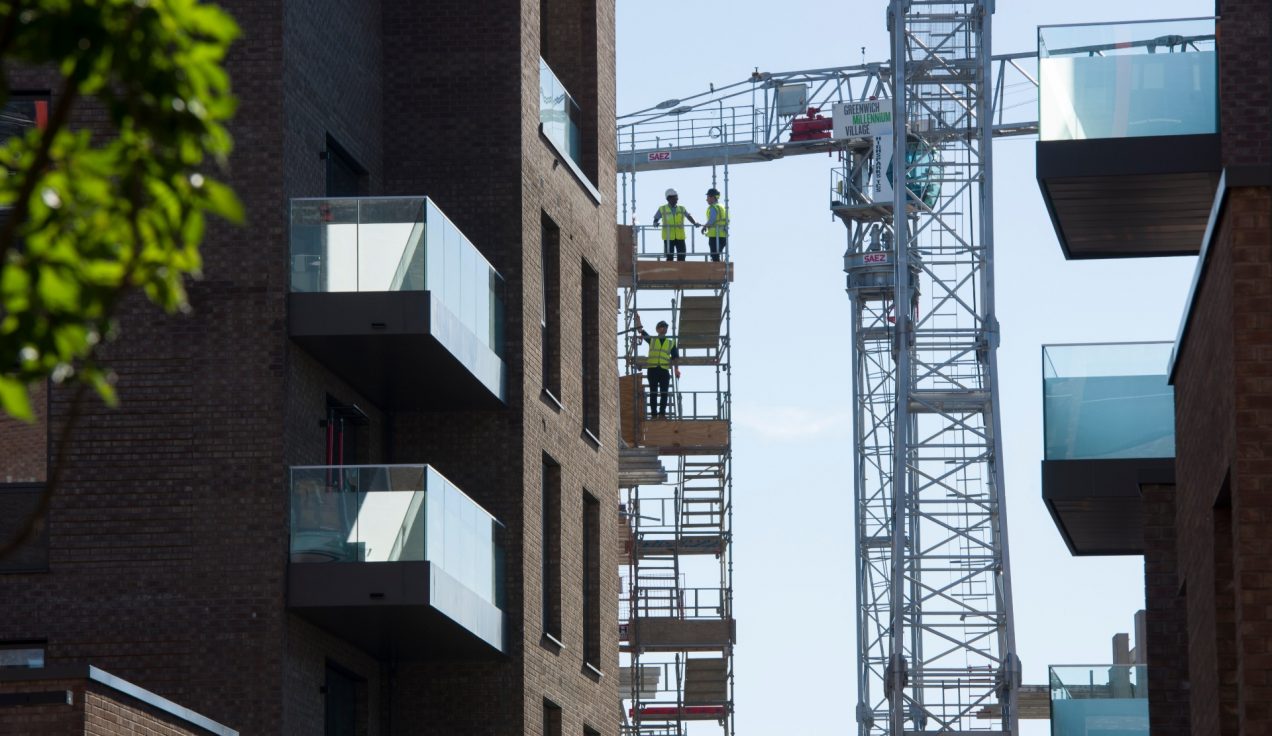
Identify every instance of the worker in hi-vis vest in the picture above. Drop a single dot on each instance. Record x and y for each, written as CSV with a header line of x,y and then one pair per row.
x,y
717,227
663,355
673,216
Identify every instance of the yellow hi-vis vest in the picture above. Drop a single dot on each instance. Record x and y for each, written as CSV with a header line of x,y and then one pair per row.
x,y
673,222
660,351
719,228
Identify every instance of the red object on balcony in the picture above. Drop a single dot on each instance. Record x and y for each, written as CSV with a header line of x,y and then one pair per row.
x,y
812,128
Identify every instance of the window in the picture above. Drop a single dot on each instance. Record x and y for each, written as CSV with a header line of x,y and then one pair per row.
x,y
340,702
21,655
591,581
551,718
590,370
19,504
345,176
569,86
550,551
345,424
550,313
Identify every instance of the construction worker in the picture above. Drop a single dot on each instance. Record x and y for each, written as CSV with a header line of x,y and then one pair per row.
x,y
673,216
663,355
717,227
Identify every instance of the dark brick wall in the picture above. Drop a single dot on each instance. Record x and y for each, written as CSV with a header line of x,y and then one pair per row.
x,y
95,709
49,720
1204,441
168,540
1223,405
166,536
309,649
23,446
1166,624
1245,82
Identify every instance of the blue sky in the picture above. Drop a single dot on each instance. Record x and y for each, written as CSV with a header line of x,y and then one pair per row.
x,y
792,390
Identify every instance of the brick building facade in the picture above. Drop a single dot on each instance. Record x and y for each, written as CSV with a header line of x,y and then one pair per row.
x,y
1207,550
167,544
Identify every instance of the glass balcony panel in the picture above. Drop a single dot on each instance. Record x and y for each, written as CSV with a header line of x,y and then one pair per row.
x,y
559,114
434,228
393,513
1121,80
395,244
1104,699
471,282
1107,401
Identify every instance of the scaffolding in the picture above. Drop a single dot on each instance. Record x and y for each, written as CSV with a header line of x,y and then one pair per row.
x,y
676,627
934,629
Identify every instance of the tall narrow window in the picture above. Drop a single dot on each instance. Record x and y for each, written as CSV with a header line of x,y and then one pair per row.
x,y
345,176
550,315
551,549
1226,601
340,703
551,718
590,370
591,580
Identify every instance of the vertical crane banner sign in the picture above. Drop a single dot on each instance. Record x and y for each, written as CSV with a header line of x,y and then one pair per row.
x,y
881,171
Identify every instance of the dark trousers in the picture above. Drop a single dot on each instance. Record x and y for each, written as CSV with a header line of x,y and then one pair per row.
x,y
678,246
659,391
718,246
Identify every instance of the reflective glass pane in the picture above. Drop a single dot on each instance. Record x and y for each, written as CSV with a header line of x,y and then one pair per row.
x,y
1119,80
1107,401
434,227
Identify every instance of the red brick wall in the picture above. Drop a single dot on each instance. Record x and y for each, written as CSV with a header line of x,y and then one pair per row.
x,y
1223,401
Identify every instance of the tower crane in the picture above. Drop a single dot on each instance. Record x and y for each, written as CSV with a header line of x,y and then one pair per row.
x,y
934,630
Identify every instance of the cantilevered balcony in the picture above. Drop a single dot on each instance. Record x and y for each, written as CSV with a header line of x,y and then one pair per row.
x,y
1106,699
1128,147
395,558
390,295
1109,427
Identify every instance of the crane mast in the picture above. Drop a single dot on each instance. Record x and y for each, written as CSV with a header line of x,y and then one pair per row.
x,y
936,644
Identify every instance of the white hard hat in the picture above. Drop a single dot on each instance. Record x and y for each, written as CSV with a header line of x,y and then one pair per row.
x,y
671,193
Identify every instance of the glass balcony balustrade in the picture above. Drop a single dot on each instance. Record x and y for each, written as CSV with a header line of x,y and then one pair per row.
x,y
395,513
1107,401
1111,700
559,114
1122,80
387,244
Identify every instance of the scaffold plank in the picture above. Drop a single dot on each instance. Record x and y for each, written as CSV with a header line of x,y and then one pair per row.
x,y
685,437
658,274
657,634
